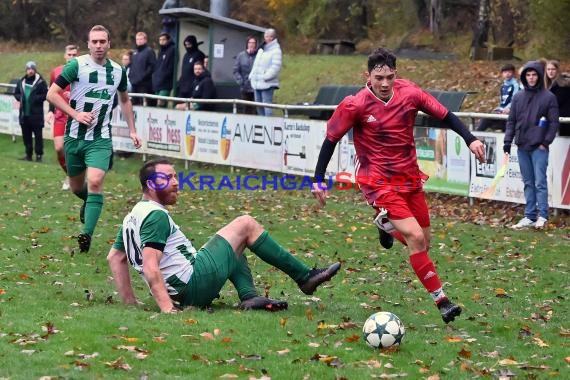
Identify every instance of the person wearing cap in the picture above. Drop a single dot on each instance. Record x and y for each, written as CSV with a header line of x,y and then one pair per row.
x,y
193,54
31,92
163,74
508,89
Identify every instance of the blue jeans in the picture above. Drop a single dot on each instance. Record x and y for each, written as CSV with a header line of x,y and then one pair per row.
x,y
264,96
533,164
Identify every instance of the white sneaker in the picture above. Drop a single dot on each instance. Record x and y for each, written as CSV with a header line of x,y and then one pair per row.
x,y
65,185
541,222
523,223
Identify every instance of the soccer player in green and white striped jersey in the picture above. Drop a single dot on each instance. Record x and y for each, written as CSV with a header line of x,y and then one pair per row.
x,y
94,81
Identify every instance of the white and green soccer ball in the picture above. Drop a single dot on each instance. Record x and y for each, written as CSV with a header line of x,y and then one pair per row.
x,y
383,330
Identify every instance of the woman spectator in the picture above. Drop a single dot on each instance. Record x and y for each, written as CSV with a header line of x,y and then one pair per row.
x,y
559,84
242,68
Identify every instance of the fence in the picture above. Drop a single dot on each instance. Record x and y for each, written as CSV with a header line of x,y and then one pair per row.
x,y
291,145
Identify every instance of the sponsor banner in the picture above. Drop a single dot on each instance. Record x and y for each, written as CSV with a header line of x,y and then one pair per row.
x,y
559,162
257,142
444,157
161,131
207,136
120,131
6,113
301,146
499,178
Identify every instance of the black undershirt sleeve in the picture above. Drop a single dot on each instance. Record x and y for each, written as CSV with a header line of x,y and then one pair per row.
x,y
458,127
325,156
61,82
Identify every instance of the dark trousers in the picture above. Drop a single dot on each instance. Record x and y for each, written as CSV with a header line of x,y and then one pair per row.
x,y
248,109
143,88
35,130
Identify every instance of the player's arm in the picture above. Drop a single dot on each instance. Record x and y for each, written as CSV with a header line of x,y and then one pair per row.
x,y
342,120
117,260
153,276
127,110
457,126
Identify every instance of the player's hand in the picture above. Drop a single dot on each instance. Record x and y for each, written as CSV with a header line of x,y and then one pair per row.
x,y
478,149
84,118
136,140
320,192
49,117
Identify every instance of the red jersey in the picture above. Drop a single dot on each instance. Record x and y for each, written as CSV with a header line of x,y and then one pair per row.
x,y
59,115
383,134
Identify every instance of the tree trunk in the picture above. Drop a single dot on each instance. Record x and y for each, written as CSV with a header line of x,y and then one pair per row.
x,y
481,32
435,17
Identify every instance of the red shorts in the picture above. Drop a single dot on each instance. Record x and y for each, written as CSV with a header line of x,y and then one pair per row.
x,y
405,205
58,129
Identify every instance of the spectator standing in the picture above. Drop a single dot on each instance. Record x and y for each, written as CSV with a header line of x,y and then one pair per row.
x,y
559,84
242,67
31,92
509,88
58,117
193,54
532,125
264,75
163,74
126,63
142,66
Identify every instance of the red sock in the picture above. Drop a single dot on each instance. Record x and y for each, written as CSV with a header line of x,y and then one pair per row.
x,y
398,236
425,270
61,160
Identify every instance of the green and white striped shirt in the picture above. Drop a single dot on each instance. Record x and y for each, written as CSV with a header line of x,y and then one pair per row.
x,y
93,89
150,223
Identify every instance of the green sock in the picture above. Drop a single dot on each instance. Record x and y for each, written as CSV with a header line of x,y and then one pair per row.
x,y
93,207
272,253
242,280
83,193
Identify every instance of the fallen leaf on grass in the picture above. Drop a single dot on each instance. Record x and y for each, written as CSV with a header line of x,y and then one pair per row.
x,y
453,339
539,342
207,335
353,338
283,322
464,353
283,352
563,332
508,362
190,321
229,376
119,363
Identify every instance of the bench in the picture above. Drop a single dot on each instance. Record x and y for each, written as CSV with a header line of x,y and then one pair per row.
x,y
452,100
328,95
336,47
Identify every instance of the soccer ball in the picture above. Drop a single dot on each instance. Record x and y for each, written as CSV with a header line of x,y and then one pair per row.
x,y
382,330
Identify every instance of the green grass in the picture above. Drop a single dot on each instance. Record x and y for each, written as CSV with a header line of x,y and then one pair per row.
x,y
43,282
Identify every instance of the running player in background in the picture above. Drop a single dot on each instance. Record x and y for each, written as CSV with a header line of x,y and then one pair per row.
x,y
94,81
58,117
382,118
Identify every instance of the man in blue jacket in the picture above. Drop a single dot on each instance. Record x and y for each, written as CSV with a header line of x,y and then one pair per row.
x,y
533,123
163,74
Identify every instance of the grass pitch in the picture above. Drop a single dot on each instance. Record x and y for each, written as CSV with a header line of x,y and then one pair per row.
x,y
60,317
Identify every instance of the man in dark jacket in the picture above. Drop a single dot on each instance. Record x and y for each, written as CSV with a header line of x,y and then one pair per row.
x,y
142,67
31,92
193,55
203,88
163,74
533,123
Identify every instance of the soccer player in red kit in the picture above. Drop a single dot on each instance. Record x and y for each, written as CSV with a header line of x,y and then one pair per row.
x,y
58,117
382,118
